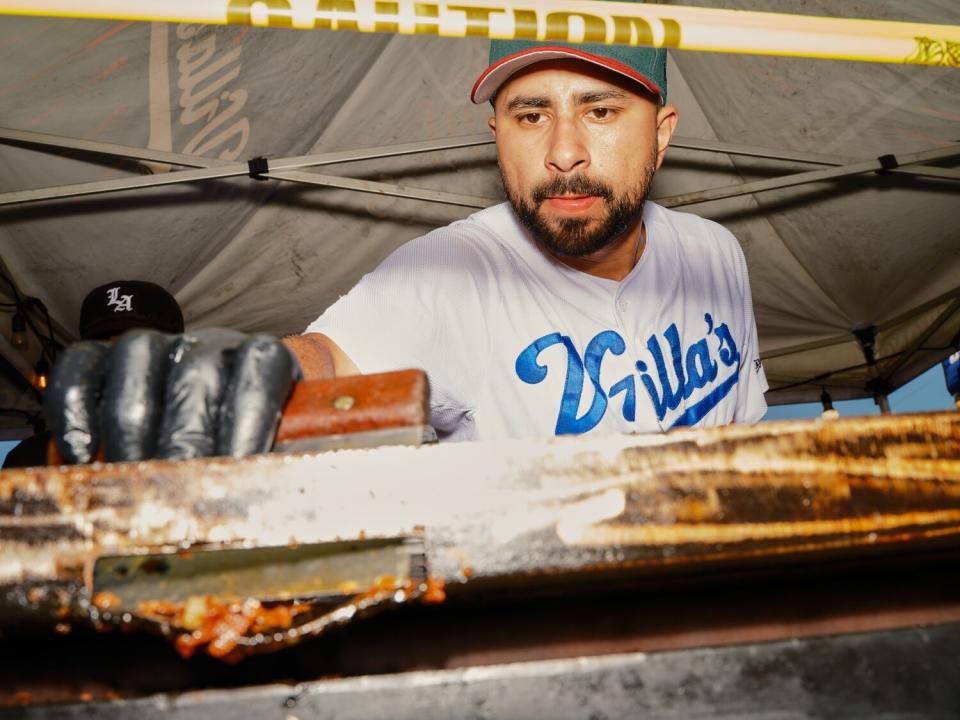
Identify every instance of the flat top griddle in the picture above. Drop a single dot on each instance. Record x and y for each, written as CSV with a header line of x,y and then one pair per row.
x,y
547,549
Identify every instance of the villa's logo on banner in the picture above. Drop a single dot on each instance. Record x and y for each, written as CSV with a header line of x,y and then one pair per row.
x,y
119,303
208,98
671,374
210,104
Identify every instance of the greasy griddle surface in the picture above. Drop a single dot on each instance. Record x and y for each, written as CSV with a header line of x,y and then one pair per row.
x,y
514,626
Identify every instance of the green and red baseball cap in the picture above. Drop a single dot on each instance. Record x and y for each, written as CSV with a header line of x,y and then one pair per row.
x,y
645,65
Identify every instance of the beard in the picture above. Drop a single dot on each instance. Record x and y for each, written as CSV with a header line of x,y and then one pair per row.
x,y
578,237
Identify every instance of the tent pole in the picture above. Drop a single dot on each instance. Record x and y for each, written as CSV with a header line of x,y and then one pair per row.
x,y
866,337
182,176
845,337
883,403
277,166
196,161
803,178
727,148
28,137
924,336
386,189
685,143
919,310
207,171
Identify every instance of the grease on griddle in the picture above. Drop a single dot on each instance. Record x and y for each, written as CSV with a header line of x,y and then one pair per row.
x,y
231,629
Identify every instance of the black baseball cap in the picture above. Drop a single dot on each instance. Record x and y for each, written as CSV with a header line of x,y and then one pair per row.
x,y
123,305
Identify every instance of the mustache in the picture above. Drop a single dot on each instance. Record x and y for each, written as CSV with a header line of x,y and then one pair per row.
x,y
571,185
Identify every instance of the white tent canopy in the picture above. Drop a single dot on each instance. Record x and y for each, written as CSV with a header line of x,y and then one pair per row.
x,y
845,250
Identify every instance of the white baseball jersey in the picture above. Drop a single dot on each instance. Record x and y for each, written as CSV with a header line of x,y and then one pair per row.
x,y
517,344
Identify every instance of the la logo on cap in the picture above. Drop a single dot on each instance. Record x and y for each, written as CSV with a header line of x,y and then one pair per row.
x,y
118,302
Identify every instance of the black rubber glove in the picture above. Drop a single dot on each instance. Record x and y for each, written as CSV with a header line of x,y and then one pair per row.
x,y
149,395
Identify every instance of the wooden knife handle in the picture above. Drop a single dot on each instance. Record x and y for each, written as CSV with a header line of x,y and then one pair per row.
x,y
358,403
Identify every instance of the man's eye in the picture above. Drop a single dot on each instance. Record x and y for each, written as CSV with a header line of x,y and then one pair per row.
x,y
531,118
601,113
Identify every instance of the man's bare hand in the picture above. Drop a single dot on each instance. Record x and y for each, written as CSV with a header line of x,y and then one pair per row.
x,y
320,357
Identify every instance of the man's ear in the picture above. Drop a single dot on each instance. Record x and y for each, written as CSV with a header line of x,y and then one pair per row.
x,y
492,124
667,117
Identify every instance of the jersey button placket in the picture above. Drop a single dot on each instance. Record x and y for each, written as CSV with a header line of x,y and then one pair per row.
x,y
619,313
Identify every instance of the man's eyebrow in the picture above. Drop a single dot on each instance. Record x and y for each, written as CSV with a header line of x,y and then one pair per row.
x,y
600,96
527,101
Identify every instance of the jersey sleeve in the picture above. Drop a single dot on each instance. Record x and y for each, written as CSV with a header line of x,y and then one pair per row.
x,y
751,403
421,308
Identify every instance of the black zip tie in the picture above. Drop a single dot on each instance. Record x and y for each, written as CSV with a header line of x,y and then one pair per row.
x,y
887,163
259,167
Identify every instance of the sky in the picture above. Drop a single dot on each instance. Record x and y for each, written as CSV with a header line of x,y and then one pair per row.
x,y
926,392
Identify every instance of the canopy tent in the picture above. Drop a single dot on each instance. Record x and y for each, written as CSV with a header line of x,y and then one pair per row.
x,y
850,247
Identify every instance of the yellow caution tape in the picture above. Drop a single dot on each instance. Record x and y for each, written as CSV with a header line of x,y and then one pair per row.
x,y
575,21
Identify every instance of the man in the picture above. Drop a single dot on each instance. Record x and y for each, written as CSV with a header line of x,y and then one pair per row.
x,y
577,306
108,311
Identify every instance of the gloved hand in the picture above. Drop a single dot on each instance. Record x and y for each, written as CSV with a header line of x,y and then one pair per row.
x,y
150,395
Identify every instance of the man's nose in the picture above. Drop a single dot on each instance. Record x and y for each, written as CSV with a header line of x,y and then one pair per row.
x,y
568,149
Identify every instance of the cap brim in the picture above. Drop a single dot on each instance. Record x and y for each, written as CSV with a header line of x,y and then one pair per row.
x,y
494,76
